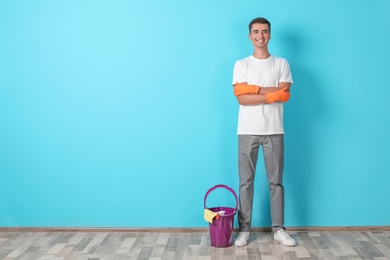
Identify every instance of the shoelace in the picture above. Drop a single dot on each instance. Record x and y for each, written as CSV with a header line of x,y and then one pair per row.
x,y
285,235
242,236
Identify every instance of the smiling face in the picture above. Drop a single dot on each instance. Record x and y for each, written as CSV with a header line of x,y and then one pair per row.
x,y
260,35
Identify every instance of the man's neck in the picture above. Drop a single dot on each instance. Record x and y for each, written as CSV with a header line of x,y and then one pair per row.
x,y
261,54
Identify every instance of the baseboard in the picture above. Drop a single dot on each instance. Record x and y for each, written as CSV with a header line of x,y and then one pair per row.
x,y
189,230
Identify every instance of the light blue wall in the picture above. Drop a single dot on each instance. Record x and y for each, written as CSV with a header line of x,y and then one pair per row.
x,y
121,113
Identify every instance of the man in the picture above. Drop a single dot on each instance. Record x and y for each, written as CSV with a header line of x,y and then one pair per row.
x,y
261,83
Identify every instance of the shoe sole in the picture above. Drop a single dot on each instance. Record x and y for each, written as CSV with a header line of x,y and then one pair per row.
x,y
284,243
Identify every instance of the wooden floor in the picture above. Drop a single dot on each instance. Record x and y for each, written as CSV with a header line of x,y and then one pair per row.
x,y
186,245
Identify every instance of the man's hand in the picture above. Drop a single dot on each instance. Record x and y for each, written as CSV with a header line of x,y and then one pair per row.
x,y
278,96
243,88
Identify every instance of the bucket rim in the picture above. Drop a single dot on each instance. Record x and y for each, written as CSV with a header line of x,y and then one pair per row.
x,y
226,214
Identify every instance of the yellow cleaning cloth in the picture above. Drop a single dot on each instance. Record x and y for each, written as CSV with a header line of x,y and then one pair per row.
x,y
209,215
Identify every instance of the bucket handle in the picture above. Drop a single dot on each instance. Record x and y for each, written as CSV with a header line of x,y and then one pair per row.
x,y
220,186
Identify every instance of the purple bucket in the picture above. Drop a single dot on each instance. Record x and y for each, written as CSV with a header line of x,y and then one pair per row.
x,y
221,230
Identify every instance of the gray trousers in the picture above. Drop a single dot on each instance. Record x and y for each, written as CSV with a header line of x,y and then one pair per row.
x,y
273,152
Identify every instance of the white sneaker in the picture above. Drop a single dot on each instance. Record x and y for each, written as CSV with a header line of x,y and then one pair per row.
x,y
242,239
283,237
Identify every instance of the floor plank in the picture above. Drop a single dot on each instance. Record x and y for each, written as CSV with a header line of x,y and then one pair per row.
x,y
95,245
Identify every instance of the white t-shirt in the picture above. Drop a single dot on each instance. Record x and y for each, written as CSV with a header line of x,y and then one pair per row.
x,y
264,119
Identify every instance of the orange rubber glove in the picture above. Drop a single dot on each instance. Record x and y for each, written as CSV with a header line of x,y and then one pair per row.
x,y
278,96
243,88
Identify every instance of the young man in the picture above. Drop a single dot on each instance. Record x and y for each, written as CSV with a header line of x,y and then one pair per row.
x,y
261,83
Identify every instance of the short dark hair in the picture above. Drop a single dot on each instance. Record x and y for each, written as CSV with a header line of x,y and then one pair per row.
x,y
259,20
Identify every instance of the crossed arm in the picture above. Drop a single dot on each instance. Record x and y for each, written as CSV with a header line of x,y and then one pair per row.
x,y
255,95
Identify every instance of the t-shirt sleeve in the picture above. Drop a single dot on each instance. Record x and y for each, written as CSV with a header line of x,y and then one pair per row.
x,y
286,75
239,73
